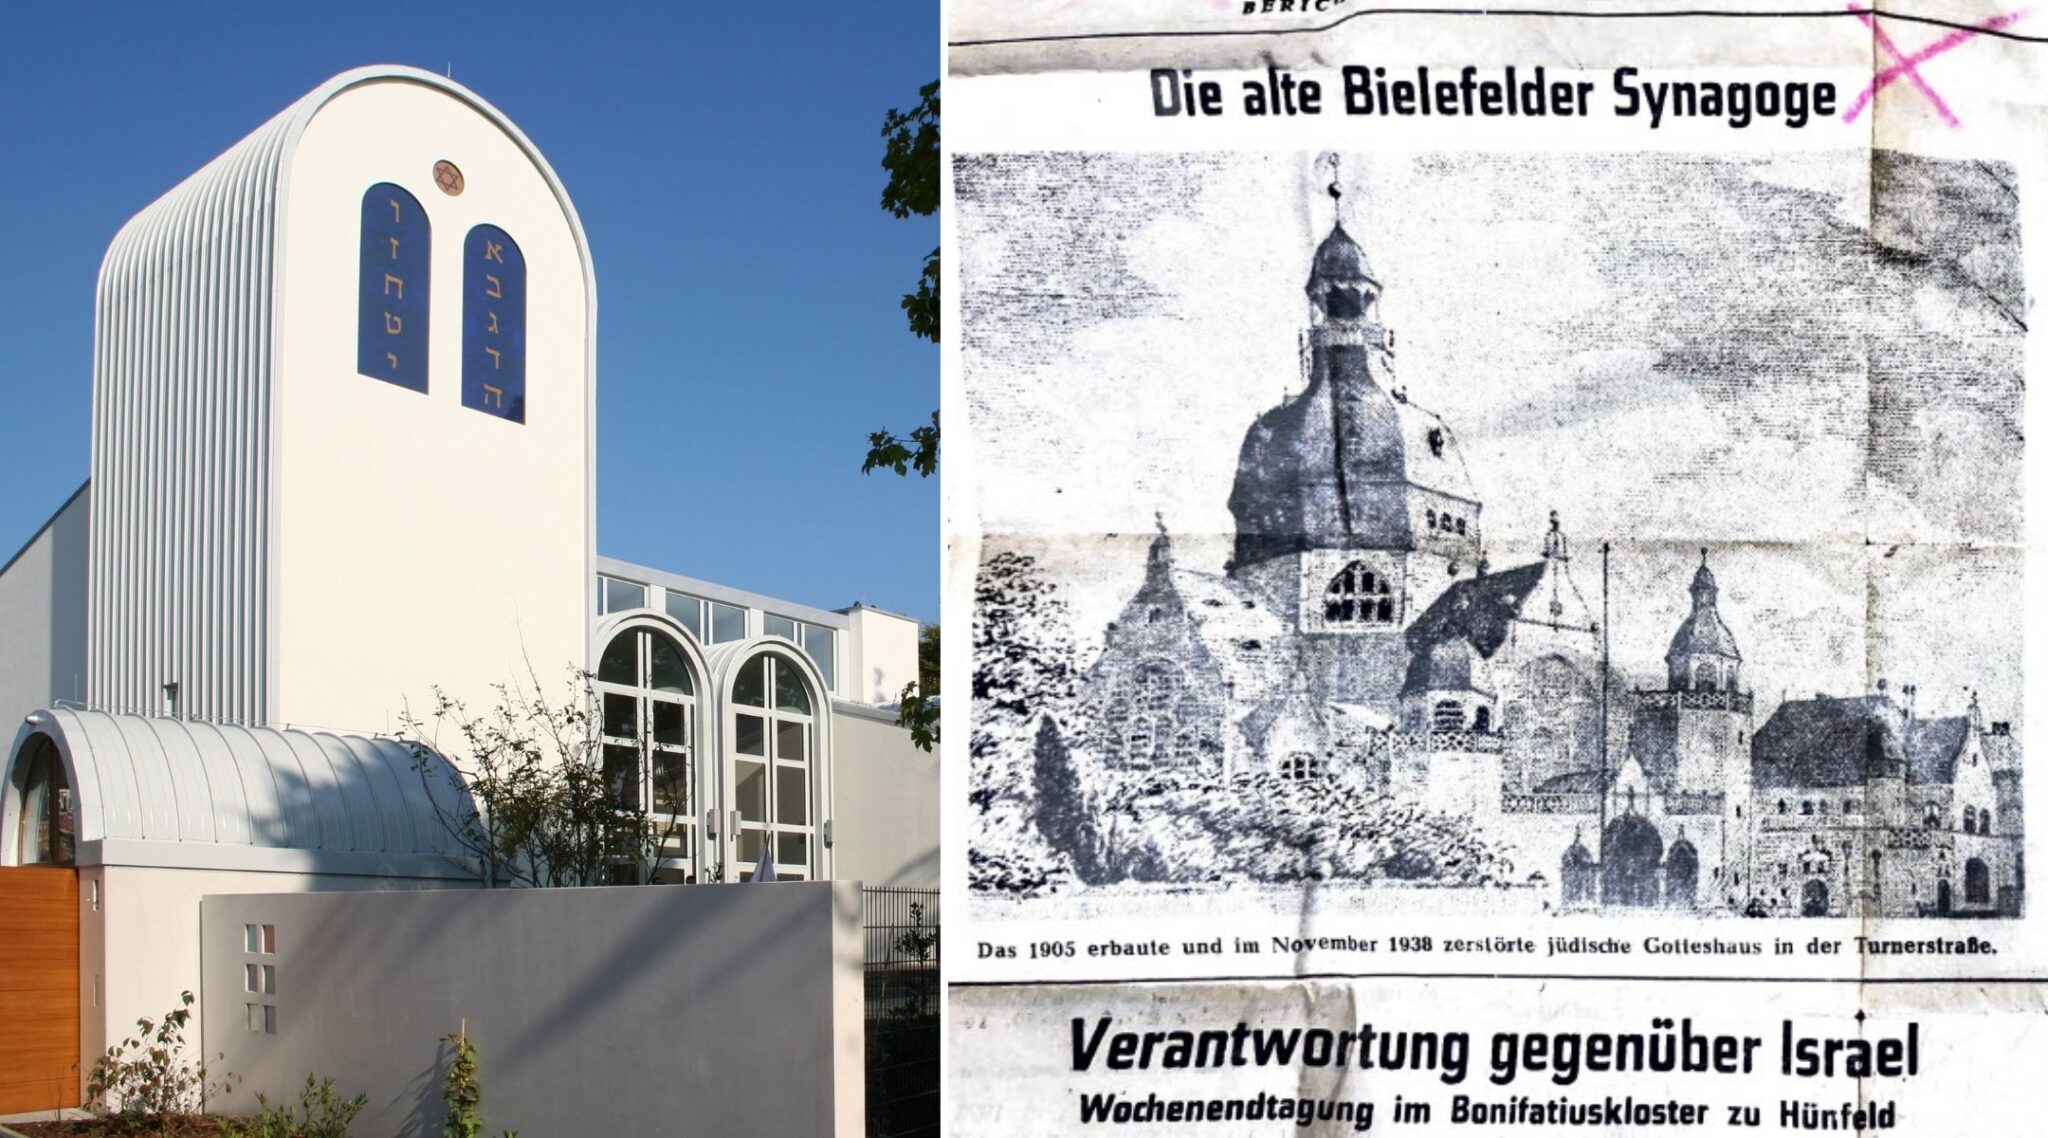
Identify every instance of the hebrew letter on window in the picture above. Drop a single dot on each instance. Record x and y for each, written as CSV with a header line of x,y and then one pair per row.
x,y
494,324
392,287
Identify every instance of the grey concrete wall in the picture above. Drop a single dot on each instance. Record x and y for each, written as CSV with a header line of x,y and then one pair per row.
x,y
42,616
709,1009
885,828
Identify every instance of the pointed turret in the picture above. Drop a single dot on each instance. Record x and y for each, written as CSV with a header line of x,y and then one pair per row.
x,y
1703,656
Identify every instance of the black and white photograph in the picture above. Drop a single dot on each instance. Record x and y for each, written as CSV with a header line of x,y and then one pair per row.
x,y
1480,534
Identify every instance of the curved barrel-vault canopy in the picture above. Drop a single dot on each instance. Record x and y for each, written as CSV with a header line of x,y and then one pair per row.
x,y
181,793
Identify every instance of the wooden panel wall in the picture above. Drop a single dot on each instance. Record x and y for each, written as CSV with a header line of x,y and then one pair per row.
x,y
39,1067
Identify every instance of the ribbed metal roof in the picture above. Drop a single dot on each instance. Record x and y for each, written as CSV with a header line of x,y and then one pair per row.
x,y
163,791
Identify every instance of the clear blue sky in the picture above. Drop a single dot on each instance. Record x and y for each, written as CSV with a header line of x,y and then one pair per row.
x,y
724,158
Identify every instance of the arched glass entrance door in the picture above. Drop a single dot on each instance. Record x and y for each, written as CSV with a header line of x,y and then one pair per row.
x,y
774,768
648,729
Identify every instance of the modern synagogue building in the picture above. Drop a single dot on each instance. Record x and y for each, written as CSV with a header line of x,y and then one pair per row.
x,y
343,455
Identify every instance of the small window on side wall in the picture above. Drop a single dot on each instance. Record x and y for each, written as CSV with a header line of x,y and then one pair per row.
x,y
817,641
688,612
618,596
727,623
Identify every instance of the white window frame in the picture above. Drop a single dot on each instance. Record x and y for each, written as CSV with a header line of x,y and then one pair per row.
x,y
692,837
816,827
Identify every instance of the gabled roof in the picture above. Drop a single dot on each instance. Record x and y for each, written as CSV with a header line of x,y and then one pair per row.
x,y
1444,666
1932,748
1573,782
1829,741
1480,609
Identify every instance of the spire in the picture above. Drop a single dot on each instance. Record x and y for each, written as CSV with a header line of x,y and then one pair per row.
x,y
1704,591
1556,551
1339,266
1703,652
1160,560
1555,547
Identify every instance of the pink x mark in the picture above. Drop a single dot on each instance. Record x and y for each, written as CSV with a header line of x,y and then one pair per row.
x,y
1908,66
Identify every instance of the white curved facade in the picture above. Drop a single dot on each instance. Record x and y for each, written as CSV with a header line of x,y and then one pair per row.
x,y
268,518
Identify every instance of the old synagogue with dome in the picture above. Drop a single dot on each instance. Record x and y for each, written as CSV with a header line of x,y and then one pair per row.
x,y
1360,633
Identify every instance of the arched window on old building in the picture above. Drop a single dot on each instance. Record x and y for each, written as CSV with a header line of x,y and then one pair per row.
x,y
1631,853
1681,875
1447,715
1357,595
1155,731
1577,874
1976,882
1302,766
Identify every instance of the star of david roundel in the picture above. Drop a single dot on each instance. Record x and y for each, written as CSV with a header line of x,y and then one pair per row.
x,y
448,176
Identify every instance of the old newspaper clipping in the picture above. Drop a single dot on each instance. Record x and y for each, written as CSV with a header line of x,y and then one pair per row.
x,y
1499,547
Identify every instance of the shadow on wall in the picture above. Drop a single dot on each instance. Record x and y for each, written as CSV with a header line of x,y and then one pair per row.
x,y
609,986
70,534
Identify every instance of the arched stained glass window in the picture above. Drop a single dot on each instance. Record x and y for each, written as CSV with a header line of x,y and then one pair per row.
x,y
647,729
774,767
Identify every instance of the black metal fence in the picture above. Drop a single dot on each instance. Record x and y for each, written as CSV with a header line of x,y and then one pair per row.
x,y
901,931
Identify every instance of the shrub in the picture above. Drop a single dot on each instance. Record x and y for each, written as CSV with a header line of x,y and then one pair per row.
x,y
463,1091
321,1114
146,1081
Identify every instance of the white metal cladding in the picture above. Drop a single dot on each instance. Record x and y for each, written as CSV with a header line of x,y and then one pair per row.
x,y
183,424
191,785
180,439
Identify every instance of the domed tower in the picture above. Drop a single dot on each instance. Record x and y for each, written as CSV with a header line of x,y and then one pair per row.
x,y
1352,505
1703,656
1692,739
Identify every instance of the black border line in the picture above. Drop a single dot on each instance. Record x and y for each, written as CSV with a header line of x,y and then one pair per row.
x,y
1094,982
1540,13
